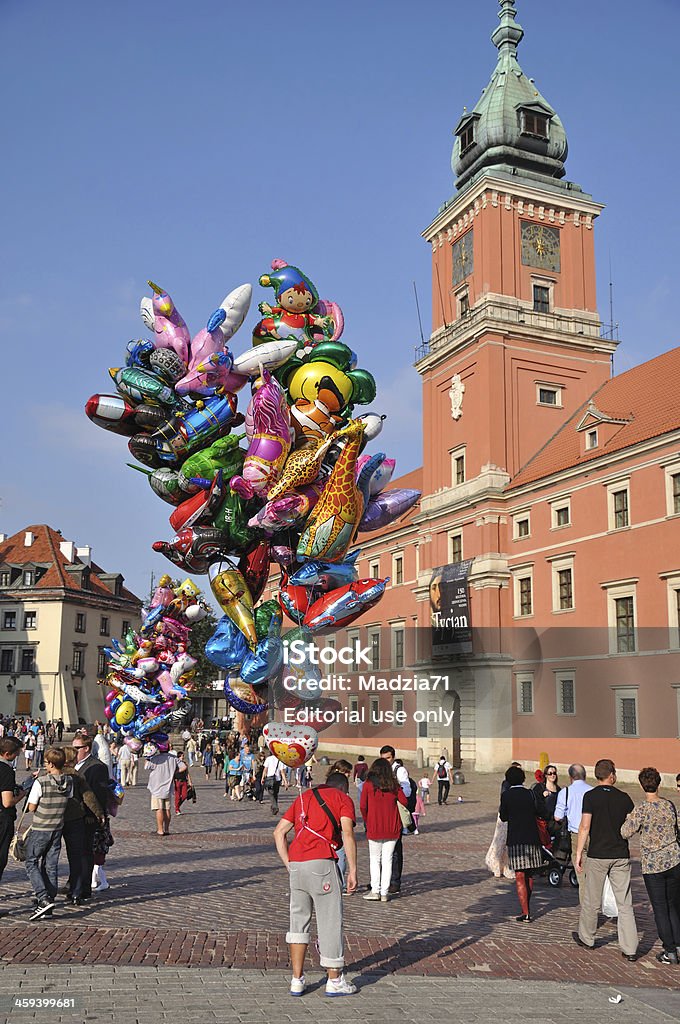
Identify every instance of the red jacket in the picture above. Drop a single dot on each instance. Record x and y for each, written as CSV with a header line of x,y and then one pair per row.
x,y
379,811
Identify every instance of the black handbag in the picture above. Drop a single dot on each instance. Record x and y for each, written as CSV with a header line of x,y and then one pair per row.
x,y
562,841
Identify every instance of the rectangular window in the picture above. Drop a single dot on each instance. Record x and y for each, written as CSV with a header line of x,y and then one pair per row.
x,y
125,628
5,578
80,622
523,527
534,124
104,626
591,439
352,643
626,712
467,136
101,663
398,569
374,646
547,396
525,695
620,499
456,547
562,516
6,660
459,469
78,660
625,624
566,592
464,303
374,706
398,708
566,695
28,660
9,620
542,303
353,705
675,490
28,577
525,596
374,570
30,620
398,648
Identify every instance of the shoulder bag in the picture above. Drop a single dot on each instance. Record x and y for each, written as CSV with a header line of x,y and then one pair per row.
x,y
562,842
17,847
407,822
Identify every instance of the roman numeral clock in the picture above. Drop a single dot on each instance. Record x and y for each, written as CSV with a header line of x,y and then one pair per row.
x,y
540,246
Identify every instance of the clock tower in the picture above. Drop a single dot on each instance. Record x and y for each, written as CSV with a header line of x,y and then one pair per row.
x,y
516,334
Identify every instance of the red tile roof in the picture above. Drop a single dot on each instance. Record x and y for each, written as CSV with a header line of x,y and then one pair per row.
x,y
45,552
647,397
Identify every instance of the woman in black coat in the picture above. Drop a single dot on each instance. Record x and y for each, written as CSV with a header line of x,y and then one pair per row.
x,y
524,847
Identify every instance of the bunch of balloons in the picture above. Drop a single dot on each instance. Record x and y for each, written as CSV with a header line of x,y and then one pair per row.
x,y
296,494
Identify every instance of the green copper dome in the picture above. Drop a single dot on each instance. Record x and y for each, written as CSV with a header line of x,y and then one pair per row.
x,y
512,128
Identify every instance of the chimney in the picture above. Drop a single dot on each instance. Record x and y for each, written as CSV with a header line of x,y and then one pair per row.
x,y
68,550
3,538
28,538
84,553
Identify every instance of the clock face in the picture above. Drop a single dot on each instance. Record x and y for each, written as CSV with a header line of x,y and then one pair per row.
x,y
540,246
462,258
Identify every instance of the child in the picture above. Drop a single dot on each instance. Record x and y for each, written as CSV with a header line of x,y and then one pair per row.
x,y
420,809
424,787
47,801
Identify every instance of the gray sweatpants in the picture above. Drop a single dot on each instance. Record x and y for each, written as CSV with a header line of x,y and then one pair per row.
x,y
315,886
591,900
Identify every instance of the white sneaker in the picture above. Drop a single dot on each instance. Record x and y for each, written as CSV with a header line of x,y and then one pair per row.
x,y
101,888
372,896
340,986
297,986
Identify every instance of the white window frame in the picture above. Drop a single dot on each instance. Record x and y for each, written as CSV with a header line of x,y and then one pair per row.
x,y
557,565
592,439
522,572
371,633
623,693
544,282
396,627
34,613
566,675
453,535
613,489
670,471
5,613
672,589
374,569
520,517
352,641
558,505
544,385
616,590
461,294
458,453
521,679
396,700
373,708
353,703
396,557
30,582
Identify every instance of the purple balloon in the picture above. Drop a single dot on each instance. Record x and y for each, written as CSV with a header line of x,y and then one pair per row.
x,y
384,508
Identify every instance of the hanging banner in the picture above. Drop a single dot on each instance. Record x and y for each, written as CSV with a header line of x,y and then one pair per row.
x,y
450,610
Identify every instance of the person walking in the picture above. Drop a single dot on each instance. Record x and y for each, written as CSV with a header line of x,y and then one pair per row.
x,y
190,749
359,773
125,762
323,819
208,759
569,805
40,747
273,777
82,804
60,729
29,751
545,792
402,778
182,781
379,798
605,809
442,775
161,767
657,822
10,796
233,780
47,801
96,774
218,759
524,847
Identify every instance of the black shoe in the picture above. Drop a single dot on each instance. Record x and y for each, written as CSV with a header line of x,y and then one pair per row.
x,y
579,941
74,904
666,957
41,909
275,809
526,918
394,889
630,958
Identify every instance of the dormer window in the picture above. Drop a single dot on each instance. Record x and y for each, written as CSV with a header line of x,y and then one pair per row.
x,y
533,122
465,130
29,577
591,439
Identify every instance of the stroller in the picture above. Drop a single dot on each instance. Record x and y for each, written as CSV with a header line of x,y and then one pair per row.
x,y
557,860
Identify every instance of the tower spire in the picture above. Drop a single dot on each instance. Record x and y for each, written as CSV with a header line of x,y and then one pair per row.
x,y
509,34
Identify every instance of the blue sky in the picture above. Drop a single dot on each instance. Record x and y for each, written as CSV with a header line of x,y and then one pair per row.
x,y
191,143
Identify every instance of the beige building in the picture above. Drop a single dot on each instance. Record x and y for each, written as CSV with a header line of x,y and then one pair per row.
x,y
58,611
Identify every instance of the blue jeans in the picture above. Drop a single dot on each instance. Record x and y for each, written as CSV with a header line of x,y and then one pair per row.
x,y
42,860
342,865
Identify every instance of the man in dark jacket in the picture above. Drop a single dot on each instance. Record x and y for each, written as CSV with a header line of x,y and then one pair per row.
x,y
10,795
97,777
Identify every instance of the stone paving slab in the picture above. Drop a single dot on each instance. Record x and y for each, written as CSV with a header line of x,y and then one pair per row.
x,y
213,894
148,996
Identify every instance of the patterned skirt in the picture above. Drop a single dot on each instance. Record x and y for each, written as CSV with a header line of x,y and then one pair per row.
x,y
525,857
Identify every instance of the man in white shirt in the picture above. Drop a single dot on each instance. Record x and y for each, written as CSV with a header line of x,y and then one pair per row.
x,y
390,754
272,777
569,803
161,767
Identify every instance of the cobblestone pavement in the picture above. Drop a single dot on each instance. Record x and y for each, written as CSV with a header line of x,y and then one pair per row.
x,y
109,995
213,894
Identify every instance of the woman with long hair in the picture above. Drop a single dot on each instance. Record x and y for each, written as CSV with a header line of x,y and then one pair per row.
x,y
657,821
546,790
379,798
524,846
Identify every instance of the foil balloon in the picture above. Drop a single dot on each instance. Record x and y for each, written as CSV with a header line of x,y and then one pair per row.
x,y
200,506
295,600
267,614
267,356
276,515
292,744
268,429
162,317
301,673
387,507
295,314
339,607
302,467
140,385
381,475
183,434
112,412
326,575
265,661
242,697
333,521
193,549
227,647
255,569
230,590
211,375
223,454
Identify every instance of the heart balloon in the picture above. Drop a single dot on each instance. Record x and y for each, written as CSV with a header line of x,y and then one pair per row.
x,y
292,744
